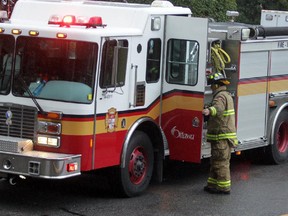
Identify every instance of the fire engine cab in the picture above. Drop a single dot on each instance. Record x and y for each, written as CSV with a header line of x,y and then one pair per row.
x,y
86,85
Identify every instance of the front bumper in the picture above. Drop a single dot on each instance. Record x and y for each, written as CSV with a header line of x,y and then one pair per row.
x,y
17,157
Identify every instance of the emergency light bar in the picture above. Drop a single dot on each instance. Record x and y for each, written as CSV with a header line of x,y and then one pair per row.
x,y
68,20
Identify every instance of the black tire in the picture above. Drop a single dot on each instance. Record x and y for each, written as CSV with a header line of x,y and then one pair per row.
x,y
278,152
136,175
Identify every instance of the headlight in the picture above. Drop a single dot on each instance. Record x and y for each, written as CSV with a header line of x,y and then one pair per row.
x,y
49,127
48,141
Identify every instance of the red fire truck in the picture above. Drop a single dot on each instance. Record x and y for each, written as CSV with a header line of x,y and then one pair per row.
x,y
86,85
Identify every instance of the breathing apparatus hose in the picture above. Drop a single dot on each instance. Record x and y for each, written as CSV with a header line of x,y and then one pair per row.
x,y
219,57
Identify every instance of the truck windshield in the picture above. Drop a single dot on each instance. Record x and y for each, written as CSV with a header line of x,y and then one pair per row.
x,y
6,53
53,69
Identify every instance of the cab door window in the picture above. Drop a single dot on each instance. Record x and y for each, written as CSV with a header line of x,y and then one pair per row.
x,y
182,62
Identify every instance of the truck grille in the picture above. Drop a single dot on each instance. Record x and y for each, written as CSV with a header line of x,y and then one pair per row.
x,y
22,124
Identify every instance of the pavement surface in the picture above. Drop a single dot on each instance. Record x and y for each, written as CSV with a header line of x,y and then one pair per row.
x,y
257,190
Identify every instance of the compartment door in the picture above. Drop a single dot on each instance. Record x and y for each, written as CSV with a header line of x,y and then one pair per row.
x,y
183,86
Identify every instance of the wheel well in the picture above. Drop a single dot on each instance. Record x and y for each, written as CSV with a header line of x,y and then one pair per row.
x,y
274,114
154,133
277,152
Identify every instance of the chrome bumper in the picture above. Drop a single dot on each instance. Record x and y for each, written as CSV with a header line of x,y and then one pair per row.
x,y
17,157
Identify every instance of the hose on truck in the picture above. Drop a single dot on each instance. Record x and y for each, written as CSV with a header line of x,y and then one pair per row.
x,y
219,57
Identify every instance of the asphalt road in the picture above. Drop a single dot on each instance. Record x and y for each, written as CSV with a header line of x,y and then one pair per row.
x,y
257,189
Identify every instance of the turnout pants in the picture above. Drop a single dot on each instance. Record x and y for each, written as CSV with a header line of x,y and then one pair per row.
x,y
219,176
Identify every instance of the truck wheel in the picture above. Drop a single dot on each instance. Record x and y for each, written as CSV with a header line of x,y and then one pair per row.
x,y
279,150
136,175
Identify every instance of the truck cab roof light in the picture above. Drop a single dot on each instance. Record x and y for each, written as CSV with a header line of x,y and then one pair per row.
x,y
82,19
2,30
33,33
16,31
55,19
69,20
61,35
96,21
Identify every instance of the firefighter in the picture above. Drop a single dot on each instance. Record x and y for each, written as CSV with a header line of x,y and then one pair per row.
x,y
221,133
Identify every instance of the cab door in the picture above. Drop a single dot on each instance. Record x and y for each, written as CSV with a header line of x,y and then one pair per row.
x,y
183,86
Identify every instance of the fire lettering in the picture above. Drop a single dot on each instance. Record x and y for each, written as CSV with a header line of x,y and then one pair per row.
x,y
181,135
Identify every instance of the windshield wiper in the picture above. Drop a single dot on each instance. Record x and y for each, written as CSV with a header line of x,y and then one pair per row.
x,y
4,71
26,88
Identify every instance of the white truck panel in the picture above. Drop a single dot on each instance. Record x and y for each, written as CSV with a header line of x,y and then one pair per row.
x,y
251,117
253,64
279,61
272,18
252,100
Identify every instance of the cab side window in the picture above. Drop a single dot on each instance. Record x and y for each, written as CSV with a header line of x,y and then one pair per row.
x,y
114,62
182,62
153,60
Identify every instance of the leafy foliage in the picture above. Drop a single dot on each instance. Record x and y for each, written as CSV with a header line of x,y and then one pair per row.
x,y
215,9
250,10
212,8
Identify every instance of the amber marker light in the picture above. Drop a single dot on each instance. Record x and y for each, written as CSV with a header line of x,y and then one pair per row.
x,y
238,153
2,30
272,103
61,35
33,33
16,31
54,115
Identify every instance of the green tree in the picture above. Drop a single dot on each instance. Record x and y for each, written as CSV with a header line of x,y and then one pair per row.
x,y
215,9
275,4
250,11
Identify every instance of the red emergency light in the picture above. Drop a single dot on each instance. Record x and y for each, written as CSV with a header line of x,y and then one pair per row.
x,y
69,20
